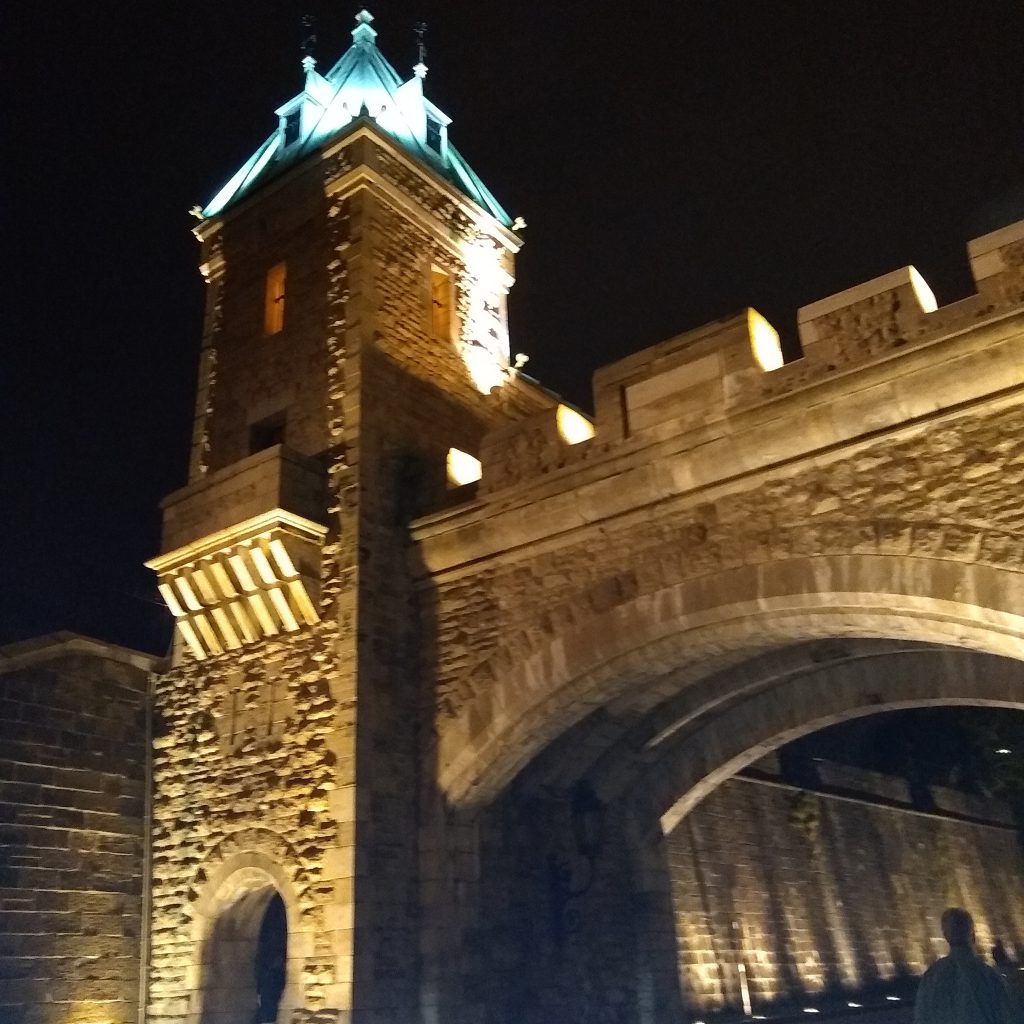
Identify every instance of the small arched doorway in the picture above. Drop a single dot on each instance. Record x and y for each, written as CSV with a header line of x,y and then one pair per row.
x,y
244,960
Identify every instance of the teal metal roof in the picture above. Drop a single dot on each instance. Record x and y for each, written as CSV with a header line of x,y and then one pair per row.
x,y
361,84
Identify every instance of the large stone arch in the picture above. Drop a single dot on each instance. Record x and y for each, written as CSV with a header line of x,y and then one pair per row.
x,y
647,648
232,892
744,732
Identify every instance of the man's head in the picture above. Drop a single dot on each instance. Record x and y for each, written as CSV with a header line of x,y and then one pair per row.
x,y
958,927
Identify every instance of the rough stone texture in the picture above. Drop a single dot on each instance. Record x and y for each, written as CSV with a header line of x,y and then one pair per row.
x,y
398,772
292,766
73,776
828,893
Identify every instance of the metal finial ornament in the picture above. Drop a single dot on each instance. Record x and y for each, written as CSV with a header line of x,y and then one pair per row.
x,y
308,36
420,28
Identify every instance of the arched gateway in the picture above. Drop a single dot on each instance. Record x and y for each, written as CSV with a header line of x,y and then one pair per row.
x,y
451,658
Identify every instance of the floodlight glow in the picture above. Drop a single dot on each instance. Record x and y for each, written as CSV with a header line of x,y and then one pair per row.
x,y
1004,750
855,1006
764,342
811,1009
462,468
486,371
924,295
893,999
171,600
573,426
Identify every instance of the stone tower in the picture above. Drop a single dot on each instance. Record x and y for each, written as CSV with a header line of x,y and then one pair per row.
x,y
354,353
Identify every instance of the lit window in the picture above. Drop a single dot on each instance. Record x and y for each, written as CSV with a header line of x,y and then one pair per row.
x,y
440,304
273,309
434,134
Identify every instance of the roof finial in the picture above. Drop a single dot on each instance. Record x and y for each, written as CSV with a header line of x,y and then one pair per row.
x,y
362,33
308,42
420,68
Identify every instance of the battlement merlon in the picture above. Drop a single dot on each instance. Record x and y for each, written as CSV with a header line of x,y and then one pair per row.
x,y
879,357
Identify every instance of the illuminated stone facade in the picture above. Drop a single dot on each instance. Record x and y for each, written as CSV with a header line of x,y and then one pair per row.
x,y
451,727
840,890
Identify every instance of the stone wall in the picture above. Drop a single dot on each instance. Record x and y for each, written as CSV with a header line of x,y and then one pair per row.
x,y
814,891
73,778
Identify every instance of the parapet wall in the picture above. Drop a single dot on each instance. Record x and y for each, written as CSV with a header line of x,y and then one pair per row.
x,y
694,385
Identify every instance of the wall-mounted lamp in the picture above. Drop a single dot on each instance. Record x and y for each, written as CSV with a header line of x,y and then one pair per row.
x,y
586,818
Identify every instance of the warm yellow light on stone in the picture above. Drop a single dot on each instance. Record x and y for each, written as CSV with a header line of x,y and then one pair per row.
x,y
227,631
223,580
463,468
263,566
188,594
206,631
242,574
245,624
204,586
285,565
263,616
764,342
285,613
191,639
573,426
300,599
171,600
924,295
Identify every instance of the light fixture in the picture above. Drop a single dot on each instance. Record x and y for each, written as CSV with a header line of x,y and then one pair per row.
x,y
463,468
573,426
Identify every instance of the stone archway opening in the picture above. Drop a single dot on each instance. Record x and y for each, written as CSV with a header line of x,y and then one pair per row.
x,y
243,970
616,939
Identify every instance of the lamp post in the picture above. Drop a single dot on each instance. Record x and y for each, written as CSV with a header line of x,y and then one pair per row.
x,y
586,819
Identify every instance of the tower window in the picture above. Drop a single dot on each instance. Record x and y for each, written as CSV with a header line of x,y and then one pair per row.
x,y
440,304
273,306
292,125
434,134
267,432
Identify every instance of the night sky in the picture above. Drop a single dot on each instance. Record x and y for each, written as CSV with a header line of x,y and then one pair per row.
x,y
674,162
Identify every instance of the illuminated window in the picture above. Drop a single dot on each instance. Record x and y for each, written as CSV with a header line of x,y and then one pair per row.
x,y
441,293
273,308
292,124
434,134
267,432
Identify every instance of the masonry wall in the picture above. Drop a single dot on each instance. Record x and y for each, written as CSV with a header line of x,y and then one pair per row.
x,y
811,892
73,752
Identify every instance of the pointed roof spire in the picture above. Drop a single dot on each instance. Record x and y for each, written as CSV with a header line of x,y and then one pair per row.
x,y
362,34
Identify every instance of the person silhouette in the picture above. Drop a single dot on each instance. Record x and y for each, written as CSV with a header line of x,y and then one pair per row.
x,y
959,988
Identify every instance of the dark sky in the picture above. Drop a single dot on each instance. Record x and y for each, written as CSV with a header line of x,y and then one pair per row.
x,y
675,162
